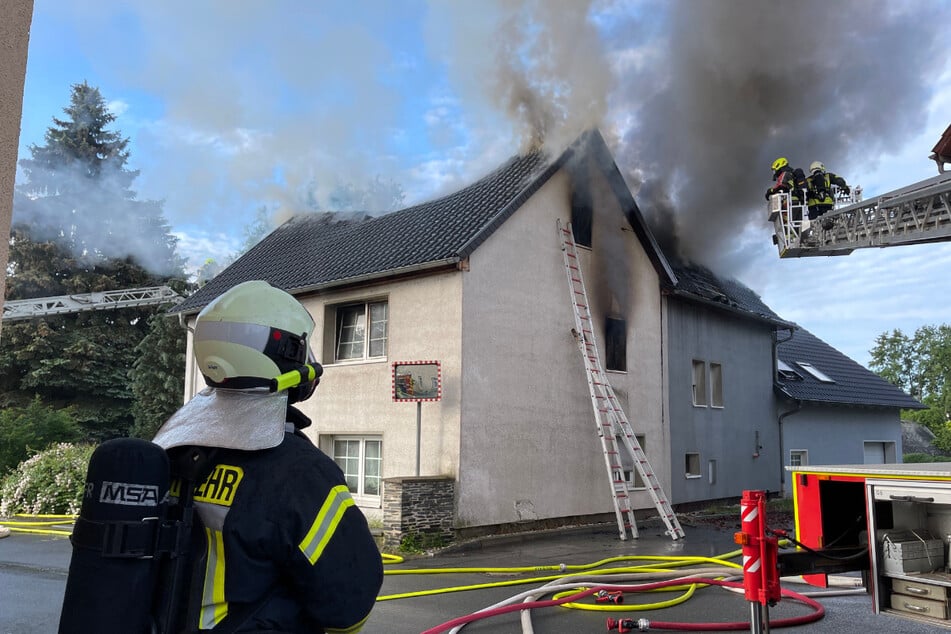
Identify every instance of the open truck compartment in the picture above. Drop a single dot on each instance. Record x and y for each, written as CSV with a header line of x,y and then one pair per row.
x,y
900,513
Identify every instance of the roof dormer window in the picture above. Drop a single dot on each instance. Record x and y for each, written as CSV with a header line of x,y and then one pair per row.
x,y
815,372
787,373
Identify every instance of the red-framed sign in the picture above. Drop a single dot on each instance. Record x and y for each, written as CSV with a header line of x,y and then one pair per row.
x,y
416,381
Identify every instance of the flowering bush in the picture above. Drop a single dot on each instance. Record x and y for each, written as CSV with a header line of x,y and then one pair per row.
x,y
52,481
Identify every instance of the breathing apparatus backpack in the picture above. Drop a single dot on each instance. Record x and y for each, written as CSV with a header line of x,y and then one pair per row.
x,y
129,542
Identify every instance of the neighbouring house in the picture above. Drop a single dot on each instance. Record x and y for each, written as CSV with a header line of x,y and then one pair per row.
x,y
476,282
719,345
831,410
918,439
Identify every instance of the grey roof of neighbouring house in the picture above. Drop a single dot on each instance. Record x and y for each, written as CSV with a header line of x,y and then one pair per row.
x,y
315,251
916,438
852,384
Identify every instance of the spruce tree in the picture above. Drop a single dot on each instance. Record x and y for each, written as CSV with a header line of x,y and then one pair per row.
x,y
77,228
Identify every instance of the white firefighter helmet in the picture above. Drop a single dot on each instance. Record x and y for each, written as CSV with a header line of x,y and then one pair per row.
x,y
816,166
243,340
251,334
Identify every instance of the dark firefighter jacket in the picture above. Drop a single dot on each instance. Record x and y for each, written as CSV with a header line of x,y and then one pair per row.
x,y
819,189
788,180
280,546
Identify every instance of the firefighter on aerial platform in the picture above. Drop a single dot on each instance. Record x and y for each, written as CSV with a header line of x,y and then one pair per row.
x,y
786,179
819,195
281,546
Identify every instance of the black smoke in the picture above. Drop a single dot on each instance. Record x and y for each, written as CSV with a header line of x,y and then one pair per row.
x,y
723,88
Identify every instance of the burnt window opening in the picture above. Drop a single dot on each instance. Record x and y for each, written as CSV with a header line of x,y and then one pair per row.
x,y
615,344
581,217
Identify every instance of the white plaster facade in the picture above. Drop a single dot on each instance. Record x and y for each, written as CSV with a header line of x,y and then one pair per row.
x,y
15,19
514,426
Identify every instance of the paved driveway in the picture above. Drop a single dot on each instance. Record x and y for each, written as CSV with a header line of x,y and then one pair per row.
x,y
33,577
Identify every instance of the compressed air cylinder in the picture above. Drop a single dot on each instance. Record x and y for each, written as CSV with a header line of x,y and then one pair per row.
x,y
112,573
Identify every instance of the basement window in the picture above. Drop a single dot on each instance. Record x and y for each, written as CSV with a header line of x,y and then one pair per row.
x,y
631,474
361,331
692,465
816,373
615,344
798,457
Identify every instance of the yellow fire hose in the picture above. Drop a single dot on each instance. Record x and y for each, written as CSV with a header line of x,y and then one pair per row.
x,y
666,564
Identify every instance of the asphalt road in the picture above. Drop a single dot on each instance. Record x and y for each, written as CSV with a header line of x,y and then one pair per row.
x,y
33,577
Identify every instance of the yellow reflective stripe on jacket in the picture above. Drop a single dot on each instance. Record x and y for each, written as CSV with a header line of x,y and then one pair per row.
x,y
353,629
324,526
213,605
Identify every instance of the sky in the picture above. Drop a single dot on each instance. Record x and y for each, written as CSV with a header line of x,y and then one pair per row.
x,y
234,106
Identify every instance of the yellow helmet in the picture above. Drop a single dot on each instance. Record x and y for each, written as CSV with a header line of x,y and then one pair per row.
x,y
780,163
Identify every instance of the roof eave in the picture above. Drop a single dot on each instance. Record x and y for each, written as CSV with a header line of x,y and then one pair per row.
x,y
376,276
779,323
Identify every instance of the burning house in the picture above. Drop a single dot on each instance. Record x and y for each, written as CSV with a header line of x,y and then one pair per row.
x,y
476,282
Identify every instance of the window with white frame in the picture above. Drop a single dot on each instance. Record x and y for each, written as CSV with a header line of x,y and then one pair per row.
x,y
361,460
692,465
798,457
631,474
716,385
816,373
699,383
361,331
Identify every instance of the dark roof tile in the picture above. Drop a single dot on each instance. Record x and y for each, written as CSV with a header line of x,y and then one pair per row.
x,y
315,250
700,283
853,384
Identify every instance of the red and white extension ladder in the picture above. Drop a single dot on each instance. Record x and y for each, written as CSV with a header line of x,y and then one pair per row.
x,y
613,427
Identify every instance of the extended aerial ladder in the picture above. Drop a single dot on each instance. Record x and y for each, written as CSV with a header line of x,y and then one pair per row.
x,y
78,302
916,214
618,441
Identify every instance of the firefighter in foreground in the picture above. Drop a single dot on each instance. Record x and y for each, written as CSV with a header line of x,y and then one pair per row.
x,y
281,547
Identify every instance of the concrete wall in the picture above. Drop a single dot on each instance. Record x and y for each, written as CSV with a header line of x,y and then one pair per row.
x,y
529,447
726,435
15,19
837,435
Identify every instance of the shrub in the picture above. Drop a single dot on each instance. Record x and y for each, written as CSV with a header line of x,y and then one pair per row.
x,y
26,430
52,482
910,458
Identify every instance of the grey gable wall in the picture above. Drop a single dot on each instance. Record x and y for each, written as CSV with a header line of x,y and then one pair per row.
x,y
725,435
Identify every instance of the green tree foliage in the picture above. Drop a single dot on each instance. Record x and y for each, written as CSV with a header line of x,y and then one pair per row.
x,y
158,375
78,228
26,430
921,365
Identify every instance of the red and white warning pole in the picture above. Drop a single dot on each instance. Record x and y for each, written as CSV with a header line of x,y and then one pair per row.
x,y
760,566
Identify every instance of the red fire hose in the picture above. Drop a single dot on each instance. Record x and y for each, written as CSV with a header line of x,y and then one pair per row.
x,y
818,610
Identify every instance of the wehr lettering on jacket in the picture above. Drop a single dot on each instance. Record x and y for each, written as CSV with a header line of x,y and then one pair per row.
x,y
220,486
129,494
